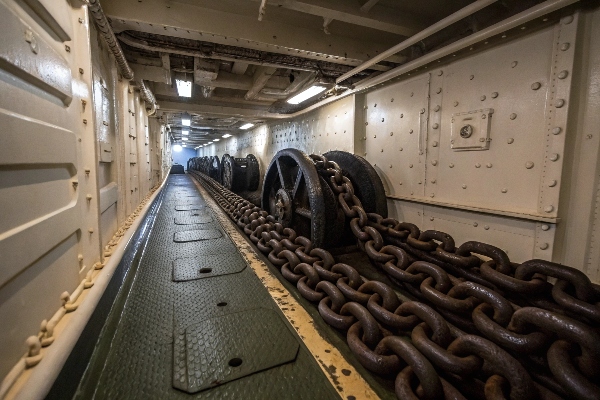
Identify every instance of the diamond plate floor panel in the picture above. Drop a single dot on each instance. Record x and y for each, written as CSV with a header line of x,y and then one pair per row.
x,y
221,349
136,360
206,266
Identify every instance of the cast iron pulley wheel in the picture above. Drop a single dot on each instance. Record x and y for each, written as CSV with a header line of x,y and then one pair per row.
x,y
252,173
227,171
367,184
295,194
214,168
240,174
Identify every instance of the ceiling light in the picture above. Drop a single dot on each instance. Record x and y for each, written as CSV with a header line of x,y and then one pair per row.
x,y
185,132
226,135
184,145
307,94
247,126
209,143
185,138
216,140
177,148
184,89
186,121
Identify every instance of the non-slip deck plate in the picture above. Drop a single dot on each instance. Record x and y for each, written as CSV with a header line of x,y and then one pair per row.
x,y
189,207
208,354
196,235
206,266
193,218
136,360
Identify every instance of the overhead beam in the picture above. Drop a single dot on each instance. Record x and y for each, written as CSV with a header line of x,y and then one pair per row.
x,y
261,76
171,106
239,68
150,73
166,64
191,20
368,5
344,11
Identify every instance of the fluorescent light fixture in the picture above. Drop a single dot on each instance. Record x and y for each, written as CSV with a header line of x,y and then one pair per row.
x,y
186,121
185,132
247,126
209,143
185,138
177,148
307,94
184,145
226,135
184,89
216,140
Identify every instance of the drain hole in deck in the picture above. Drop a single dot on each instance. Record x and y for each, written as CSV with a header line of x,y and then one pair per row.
x,y
235,362
205,270
222,304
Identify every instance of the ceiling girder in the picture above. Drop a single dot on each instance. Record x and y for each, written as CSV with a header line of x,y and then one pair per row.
x,y
346,11
261,77
188,19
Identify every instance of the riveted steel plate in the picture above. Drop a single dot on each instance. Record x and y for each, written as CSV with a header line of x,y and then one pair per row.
x,y
197,218
188,207
226,348
188,269
196,235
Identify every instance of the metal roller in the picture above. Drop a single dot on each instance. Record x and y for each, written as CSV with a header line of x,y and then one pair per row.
x,y
214,168
240,174
295,194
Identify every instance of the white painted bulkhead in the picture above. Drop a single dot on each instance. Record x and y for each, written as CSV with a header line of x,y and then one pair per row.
x,y
64,173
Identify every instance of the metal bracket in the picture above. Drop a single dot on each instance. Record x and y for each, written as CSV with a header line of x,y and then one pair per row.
x,y
471,130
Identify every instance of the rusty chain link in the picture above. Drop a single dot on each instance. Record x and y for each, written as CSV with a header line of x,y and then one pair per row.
x,y
439,361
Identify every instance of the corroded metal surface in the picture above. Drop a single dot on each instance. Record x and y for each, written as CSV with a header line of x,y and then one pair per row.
x,y
428,265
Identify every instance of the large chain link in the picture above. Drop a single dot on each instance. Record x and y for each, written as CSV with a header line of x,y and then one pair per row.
x,y
439,361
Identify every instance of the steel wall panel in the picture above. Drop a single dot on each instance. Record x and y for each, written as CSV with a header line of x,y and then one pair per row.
x,y
328,128
501,79
27,54
396,134
49,234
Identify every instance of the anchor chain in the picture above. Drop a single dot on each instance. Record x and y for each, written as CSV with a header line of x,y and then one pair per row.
x,y
505,340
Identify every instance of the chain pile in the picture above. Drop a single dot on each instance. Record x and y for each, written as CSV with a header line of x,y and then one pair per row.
x,y
526,338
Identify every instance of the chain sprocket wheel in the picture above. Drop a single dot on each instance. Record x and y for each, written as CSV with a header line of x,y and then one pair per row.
x,y
298,198
252,173
227,172
365,180
215,168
